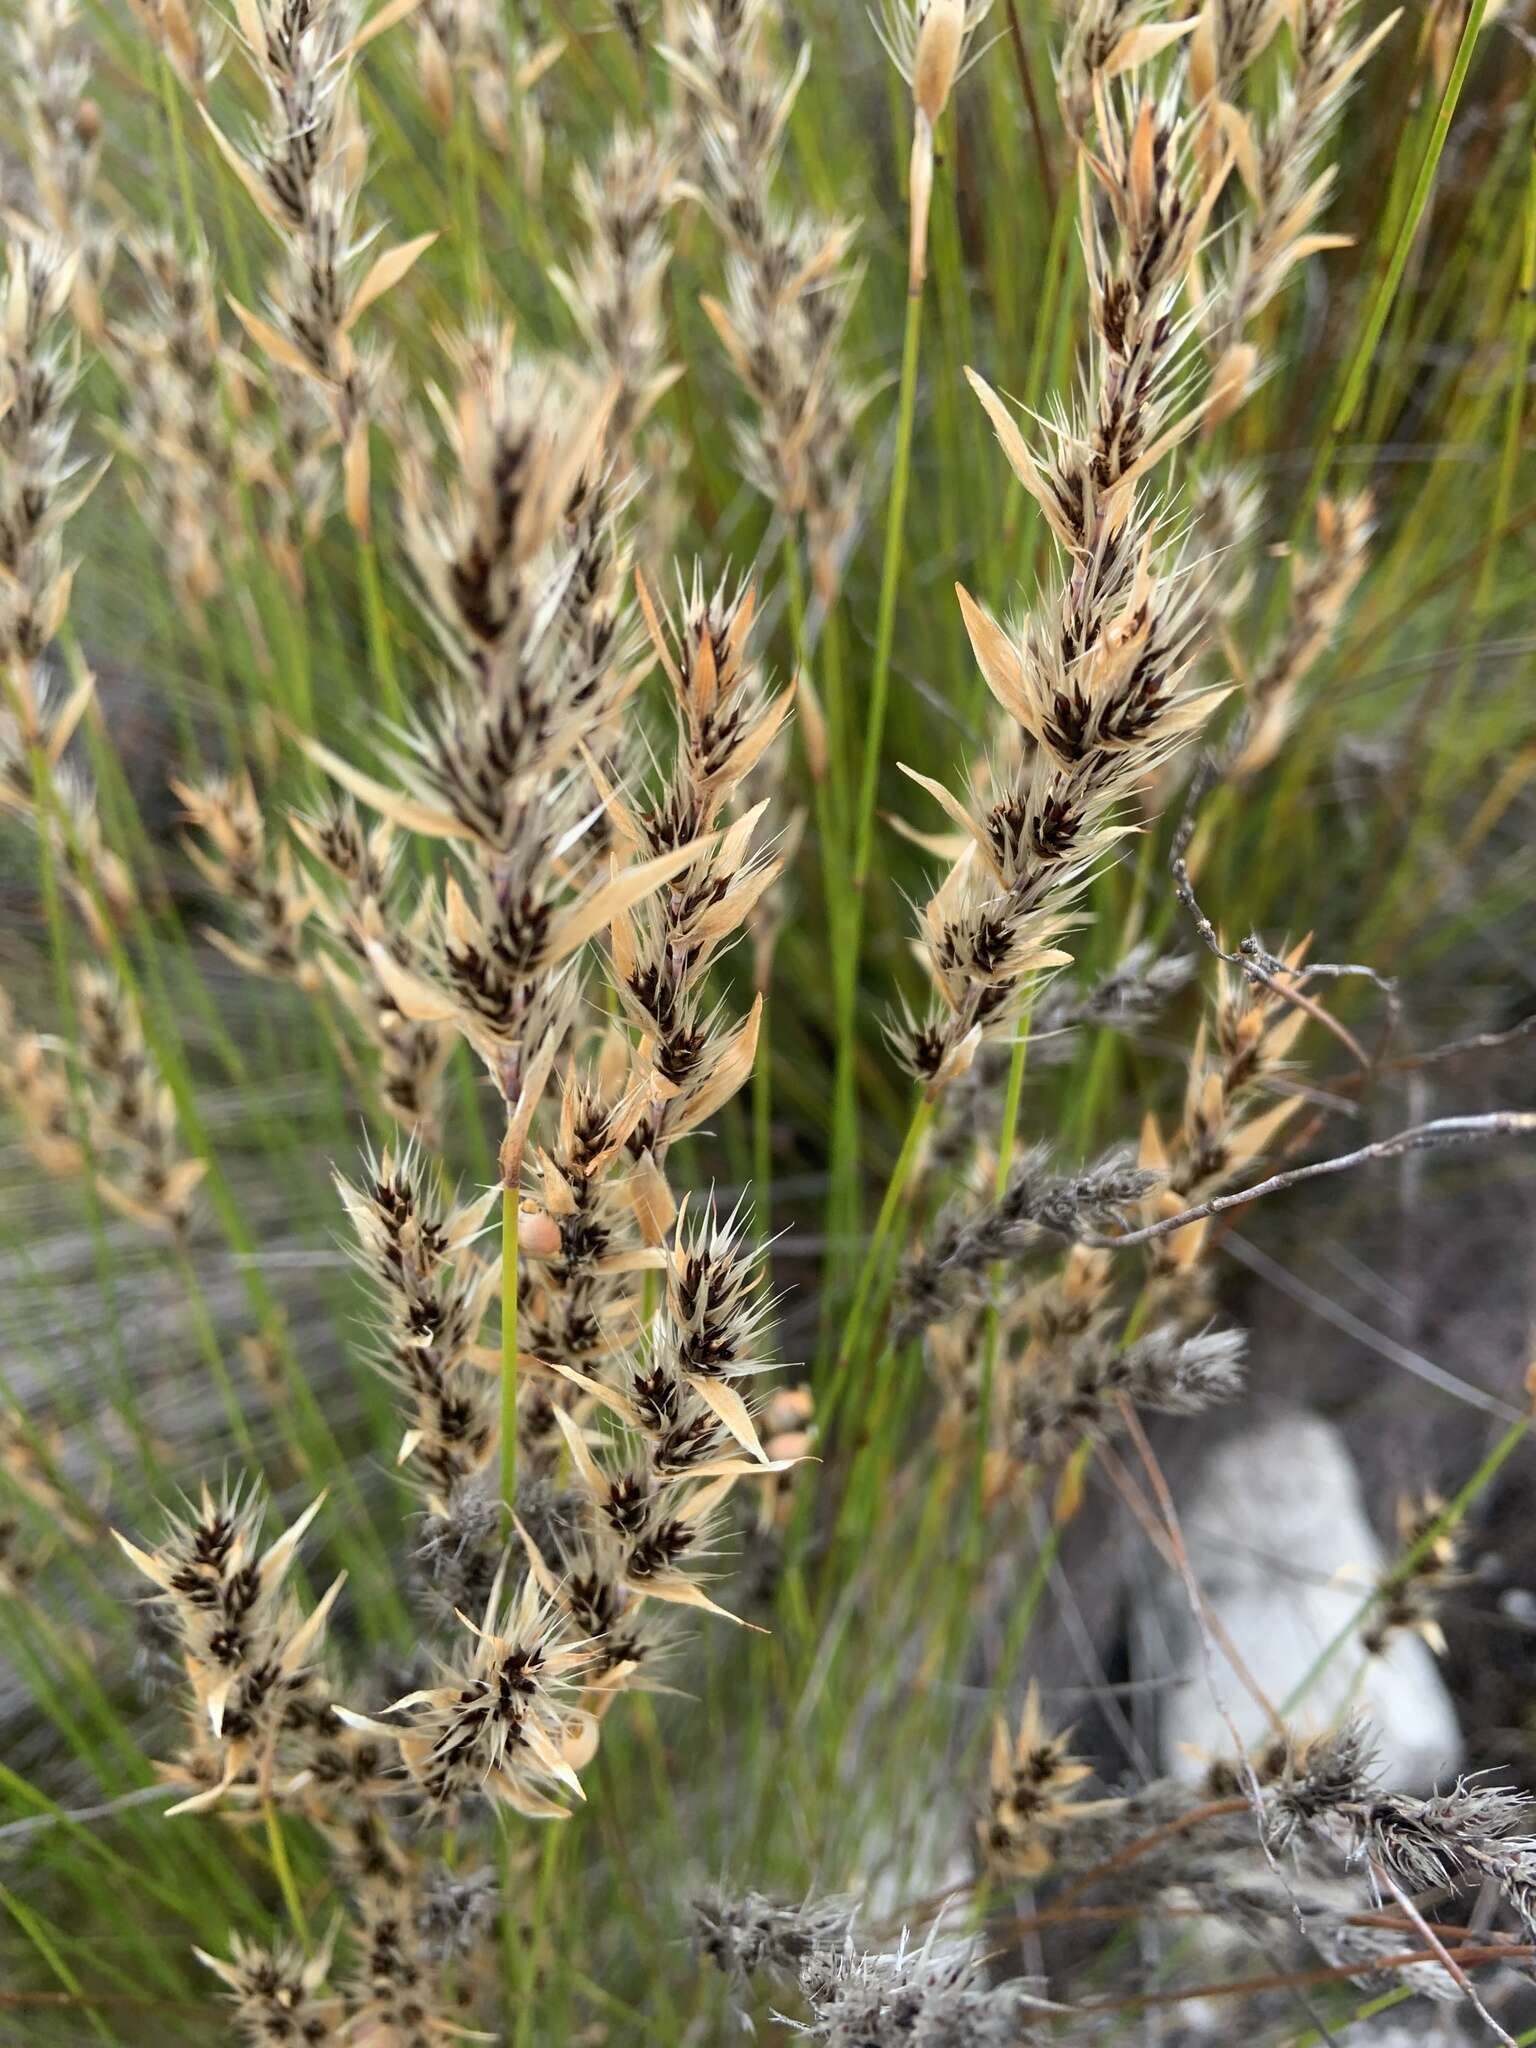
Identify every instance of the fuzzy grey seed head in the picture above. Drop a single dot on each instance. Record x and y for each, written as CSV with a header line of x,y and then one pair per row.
x,y
1178,1375
744,1935
455,1910
922,1998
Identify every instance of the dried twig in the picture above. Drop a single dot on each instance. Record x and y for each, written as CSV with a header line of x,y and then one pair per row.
x,y
1426,1137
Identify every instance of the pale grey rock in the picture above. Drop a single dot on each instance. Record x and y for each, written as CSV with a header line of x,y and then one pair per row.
x,y
1281,1546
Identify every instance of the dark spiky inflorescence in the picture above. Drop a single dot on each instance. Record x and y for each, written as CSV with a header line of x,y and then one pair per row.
x,y
277,1994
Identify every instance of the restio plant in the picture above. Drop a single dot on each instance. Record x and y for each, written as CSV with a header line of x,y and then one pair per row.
x,y
716,718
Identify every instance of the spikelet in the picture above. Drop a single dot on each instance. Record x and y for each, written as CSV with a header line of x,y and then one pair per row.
x,y
1240,1057
304,165
1033,1795
277,1993
248,1651
504,1724
418,1250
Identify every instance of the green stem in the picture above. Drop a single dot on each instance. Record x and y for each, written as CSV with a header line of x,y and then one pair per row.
x,y
762,1127
1509,461
464,151
213,1355
885,624
867,1294
509,1348
1353,387
845,1116
284,1871
36,1930
381,652
171,103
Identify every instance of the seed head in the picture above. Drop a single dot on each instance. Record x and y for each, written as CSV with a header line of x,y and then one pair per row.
x,y
502,1725
1032,1795
249,1652
276,1993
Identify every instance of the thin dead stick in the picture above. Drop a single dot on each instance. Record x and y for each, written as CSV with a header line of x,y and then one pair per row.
x,y
1427,1137
1288,1980
1290,991
1254,959
1135,1909
1197,1607
1447,1930
1026,79
929,1908
1453,1968
1197,1599
1458,1048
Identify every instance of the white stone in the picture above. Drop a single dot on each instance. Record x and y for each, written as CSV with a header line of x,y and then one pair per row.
x,y
1281,1547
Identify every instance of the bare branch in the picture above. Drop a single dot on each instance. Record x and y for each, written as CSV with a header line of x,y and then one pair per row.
x,y
1254,958
1457,1048
1442,1131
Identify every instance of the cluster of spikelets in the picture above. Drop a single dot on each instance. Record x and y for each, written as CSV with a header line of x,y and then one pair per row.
x,y
1297,1846
1098,687
1102,683
632,1331
788,284
264,1732
629,1411
43,483
572,1472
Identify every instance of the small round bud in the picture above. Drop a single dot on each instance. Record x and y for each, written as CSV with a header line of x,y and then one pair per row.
x,y
538,1234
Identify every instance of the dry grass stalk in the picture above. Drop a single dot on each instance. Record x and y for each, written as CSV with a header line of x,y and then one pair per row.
x,y
615,289
176,423
1280,160
1322,584
789,288
1098,684
304,165
62,127
43,483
